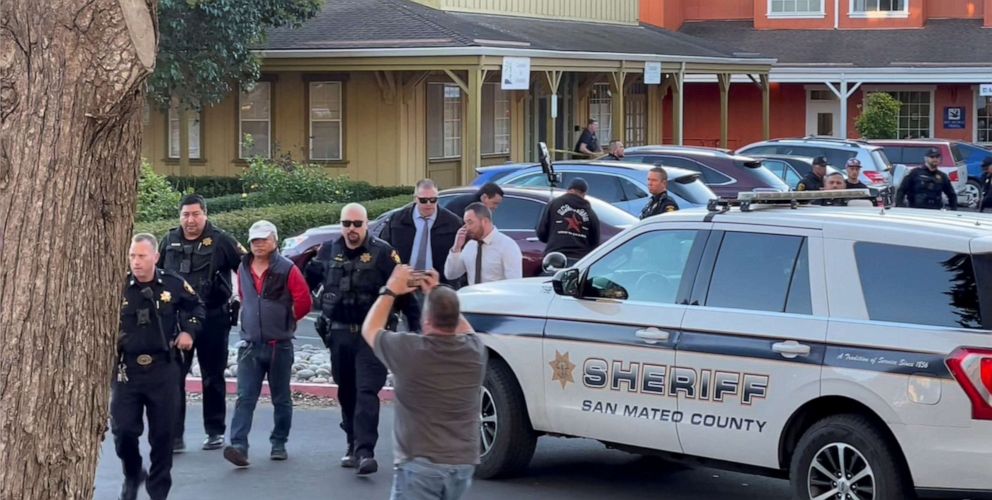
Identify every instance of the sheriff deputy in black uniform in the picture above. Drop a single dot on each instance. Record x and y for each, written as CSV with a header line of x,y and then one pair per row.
x,y
205,256
660,202
923,186
160,312
986,200
813,181
354,269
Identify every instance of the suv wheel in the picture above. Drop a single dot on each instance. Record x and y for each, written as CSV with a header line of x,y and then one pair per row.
x,y
973,190
508,440
846,457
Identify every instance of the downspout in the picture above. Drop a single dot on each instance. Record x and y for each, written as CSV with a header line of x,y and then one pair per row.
x,y
836,14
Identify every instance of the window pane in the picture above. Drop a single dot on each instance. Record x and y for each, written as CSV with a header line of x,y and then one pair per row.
x,y
193,131
761,265
799,301
488,124
435,121
501,115
647,268
326,141
259,132
255,103
517,213
452,121
254,113
193,119
918,285
600,109
325,101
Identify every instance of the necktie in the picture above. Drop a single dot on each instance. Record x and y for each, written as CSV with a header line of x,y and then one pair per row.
x,y
478,263
425,236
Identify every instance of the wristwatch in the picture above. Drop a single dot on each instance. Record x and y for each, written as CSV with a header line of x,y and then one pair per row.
x,y
386,291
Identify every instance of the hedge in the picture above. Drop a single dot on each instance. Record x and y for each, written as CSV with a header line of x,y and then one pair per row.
x,y
206,186
290,220
362,191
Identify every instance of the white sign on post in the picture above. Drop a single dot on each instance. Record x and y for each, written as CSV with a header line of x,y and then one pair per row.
x,y
985,90
554,105
516,73
652,73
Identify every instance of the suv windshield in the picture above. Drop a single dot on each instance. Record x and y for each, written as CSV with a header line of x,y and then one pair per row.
x,y
691,189
763,175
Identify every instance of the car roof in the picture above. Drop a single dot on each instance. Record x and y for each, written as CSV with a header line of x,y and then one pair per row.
x,y
821,141
688,150
911,141
673,172
804,159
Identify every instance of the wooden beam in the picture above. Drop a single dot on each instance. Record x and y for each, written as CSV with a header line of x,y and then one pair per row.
x,y
458,81
618,103
472,140
766,108
724,81
677,132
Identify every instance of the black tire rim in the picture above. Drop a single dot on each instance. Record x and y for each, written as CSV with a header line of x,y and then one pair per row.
x,y
840,471
489,420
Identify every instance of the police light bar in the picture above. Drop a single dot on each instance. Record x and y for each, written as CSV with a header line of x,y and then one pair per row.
x,y
787,196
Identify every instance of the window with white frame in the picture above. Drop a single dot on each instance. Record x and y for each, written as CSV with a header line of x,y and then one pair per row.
x,y
636,115
192,132
915,117
255,121
601,110
325,121
495,120
983,117
883,7
795,8
444,121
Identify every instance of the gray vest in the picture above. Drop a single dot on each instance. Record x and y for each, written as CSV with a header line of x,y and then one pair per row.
x,y
268,316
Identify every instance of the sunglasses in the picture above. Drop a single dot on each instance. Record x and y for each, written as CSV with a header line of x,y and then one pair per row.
x,y
352,223
427,200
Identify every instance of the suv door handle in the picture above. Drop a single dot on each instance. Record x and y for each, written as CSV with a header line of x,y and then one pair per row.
x,y
790,349
652,335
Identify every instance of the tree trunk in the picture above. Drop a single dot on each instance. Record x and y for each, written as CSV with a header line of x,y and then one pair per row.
x,y
72,78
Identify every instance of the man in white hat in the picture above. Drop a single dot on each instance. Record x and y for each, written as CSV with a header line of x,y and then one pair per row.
x,y
274,297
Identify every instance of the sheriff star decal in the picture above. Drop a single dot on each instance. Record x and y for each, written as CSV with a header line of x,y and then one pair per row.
x,y
188,288
562,369
395,256
166,297
366,257
208,241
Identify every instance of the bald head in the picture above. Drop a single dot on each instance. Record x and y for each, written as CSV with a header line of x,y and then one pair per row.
x,y
353,211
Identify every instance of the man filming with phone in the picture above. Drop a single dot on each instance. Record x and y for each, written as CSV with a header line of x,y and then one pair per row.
x,y
354,268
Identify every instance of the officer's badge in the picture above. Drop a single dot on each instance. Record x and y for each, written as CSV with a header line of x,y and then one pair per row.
x,y
562,369
366,257
208,241
165,297
801,187
395,256
670,208
124,304
339,258
188,288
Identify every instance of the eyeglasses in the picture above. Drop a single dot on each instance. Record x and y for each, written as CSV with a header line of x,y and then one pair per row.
x,y
425,201
350,223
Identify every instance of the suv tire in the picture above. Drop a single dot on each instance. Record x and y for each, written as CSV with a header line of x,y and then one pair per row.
x,y
974,189
867,458
505,412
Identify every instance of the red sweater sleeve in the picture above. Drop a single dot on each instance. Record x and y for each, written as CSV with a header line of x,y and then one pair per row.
x,y
302,303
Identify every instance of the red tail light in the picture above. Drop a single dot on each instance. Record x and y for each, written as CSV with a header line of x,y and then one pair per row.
x,y
954,176
972,368
875,177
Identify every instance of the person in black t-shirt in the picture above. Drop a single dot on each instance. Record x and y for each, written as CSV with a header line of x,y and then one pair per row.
x,y
853,181
588,143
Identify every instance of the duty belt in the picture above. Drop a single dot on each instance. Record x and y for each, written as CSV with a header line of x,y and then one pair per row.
x,y
147,359
352,328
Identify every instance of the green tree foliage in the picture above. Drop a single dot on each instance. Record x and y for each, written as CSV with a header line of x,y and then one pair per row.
x,y
156,197
205,45
880,118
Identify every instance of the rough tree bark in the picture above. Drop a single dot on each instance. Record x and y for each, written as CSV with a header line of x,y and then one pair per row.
x,y
72,78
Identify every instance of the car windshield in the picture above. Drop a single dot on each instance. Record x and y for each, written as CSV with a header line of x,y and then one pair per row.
x,y
956,154
610,215
880,160
691,189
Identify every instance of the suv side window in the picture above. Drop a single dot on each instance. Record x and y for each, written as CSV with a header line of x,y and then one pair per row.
x,y
517,213
710,176
649,267
602,186
536,179
918,285
631,191
763,272
782,170
762,150
837,158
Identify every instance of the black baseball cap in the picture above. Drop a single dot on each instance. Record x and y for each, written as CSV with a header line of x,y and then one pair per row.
x,y
933,152
987,162
579,184
820,160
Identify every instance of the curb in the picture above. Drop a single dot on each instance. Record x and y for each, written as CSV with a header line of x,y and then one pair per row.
x,y
194,385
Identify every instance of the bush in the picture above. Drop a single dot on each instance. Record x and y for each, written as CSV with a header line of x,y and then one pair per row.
x,y
270,182
227,203
880,118
207,186
157,198
290,220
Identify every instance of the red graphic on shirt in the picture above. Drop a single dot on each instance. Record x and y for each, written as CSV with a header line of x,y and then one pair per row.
x,y
574,223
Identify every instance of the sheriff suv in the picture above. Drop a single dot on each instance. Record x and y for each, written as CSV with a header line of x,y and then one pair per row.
x,y
846,348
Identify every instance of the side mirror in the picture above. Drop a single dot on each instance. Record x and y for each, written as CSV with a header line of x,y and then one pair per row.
x,y
566,282
554,262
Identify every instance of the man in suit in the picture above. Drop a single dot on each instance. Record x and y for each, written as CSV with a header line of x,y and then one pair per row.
x,y
423,233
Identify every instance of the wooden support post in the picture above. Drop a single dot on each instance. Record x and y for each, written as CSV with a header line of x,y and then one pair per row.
x,y
724,81
619,125
472,141
766,108
677,88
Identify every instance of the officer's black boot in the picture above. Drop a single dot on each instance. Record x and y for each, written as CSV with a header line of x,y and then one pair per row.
x,y
178,445
367,465
349,460
129,490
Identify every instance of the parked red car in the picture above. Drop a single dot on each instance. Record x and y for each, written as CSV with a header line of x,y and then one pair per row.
x,y
516,217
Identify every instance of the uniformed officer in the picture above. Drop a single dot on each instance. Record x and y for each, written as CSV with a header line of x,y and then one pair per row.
x,y
986,201
660,202
205,256
353,268
922,187
160,312
813,181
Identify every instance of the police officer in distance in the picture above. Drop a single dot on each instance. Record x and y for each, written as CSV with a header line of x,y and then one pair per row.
x,y
660,202
986,197
923,186
813,181
205,256
353,269
160,312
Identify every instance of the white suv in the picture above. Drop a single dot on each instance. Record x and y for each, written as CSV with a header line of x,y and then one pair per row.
x,y
876,169
846,348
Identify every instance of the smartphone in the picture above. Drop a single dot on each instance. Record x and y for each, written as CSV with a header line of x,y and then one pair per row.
x,y
416,278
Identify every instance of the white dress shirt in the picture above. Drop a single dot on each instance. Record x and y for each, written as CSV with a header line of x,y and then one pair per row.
x,y
501,259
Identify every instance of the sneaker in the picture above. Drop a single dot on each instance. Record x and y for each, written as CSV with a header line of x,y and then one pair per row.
x,y
129,490
278,452
349,461
367,465
178,445
236,455
213,442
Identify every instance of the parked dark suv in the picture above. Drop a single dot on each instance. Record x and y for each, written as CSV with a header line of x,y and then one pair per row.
x,y
725,173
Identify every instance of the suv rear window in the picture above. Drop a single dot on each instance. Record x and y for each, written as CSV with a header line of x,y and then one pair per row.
x,y
770,269
918,285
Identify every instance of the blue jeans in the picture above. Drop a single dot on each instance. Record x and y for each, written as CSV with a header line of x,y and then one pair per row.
x,y
274,360
421,479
